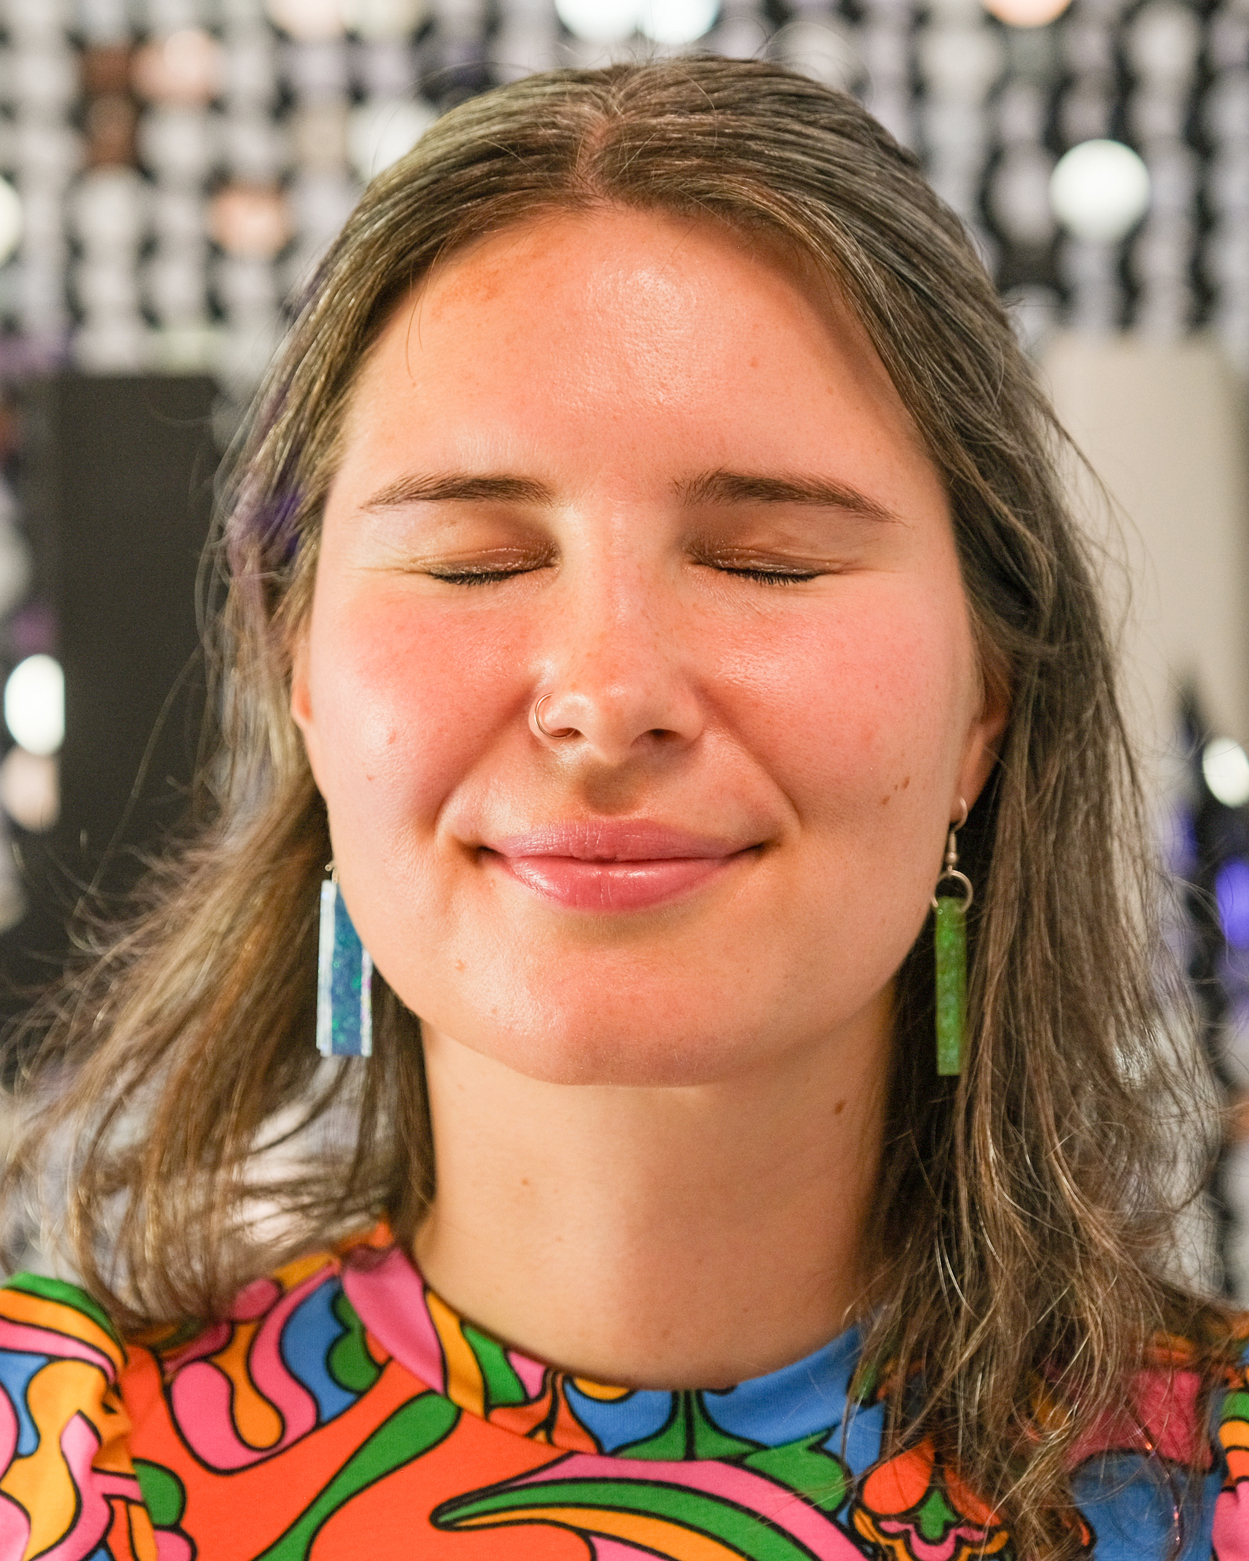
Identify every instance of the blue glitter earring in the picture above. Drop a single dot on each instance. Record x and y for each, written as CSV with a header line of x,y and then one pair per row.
x,y
344,981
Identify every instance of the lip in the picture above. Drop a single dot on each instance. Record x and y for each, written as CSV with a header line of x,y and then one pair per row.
x,y
614,864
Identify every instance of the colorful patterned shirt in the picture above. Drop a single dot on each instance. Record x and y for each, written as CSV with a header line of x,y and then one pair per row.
x,y
344,1411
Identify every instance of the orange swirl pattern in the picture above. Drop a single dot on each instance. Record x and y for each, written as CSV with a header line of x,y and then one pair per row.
x,y
343,1409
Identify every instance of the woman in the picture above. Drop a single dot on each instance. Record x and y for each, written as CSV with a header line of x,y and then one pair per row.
x,y
648,581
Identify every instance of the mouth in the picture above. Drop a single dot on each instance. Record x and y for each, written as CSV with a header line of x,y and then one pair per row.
x,y
615,865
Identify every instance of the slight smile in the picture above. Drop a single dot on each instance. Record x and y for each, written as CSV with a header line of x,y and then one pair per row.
x,y
614,865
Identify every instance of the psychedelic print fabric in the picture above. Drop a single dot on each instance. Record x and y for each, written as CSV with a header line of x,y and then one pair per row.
x,y
344,1411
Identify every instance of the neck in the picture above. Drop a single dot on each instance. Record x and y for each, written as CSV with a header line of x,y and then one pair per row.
x,y
656,1236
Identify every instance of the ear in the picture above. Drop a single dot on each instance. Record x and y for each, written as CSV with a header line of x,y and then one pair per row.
x,y
301,700
983,737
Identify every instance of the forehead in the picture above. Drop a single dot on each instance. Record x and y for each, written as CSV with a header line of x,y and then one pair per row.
x,y
589,319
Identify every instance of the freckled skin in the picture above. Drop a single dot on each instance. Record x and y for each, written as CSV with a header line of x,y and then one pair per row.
x,y
606,357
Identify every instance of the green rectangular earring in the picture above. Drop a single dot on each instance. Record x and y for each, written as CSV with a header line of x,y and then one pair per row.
x,y
950,957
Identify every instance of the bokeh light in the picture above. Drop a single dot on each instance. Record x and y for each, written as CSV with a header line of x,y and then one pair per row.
x,y
30,789
185,67
382,21
599,21
34,704
1225,768
1026,13
249,221
10,220
1231,889
674,22
311,21
380,133
1100,190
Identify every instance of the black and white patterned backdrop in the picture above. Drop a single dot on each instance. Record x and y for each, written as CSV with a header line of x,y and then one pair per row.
x,y
174,166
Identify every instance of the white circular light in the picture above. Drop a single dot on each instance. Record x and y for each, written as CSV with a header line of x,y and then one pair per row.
x,y
30,789
380,133
1100,190
600,21
675,22
1026,13
383,21
34,704
10,220
311,21
1225,766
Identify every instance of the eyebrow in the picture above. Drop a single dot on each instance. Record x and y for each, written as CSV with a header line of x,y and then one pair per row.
x,y
725,487
447,487
714,487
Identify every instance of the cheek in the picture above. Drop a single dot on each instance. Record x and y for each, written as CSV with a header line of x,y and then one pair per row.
x,y
869,702
403,704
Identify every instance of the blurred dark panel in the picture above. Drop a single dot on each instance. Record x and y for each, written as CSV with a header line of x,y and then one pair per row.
x,y
116,491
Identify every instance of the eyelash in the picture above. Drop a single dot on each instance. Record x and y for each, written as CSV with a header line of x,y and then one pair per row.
x,y
769,576
477,576
472,577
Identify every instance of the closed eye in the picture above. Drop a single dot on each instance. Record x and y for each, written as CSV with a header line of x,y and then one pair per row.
x,y
763,566
770,576
478,576
488,567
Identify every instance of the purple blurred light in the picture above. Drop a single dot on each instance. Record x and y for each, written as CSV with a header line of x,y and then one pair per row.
x,y
1231,886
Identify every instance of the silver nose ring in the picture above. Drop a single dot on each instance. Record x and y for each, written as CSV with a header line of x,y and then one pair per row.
x,y
546,731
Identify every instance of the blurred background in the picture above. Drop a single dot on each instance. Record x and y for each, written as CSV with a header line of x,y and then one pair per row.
x,y
170,171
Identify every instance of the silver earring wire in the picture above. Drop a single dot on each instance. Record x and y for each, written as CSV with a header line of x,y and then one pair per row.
x,y
949,871
546,731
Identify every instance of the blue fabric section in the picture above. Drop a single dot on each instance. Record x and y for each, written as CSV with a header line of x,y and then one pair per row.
x,y
795,1401
618,1422
310,1334
784,1406
16,1370
1131,1510
864,1431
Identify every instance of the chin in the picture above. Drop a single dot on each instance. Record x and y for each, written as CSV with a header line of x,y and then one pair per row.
x,y
623,1053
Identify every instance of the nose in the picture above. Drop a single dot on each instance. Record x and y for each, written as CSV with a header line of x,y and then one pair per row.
x,y
616,681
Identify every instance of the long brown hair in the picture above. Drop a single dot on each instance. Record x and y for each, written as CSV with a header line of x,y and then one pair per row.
x,y
1026,1210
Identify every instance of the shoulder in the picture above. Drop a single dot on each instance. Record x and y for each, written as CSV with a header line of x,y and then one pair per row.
x,y
91,1422
1190,1411
64,1433
1231,1421
45,1320
297,1309
288,1314
1170,1462
289,1356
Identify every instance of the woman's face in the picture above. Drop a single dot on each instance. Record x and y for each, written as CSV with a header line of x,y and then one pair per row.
x,y
652,470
